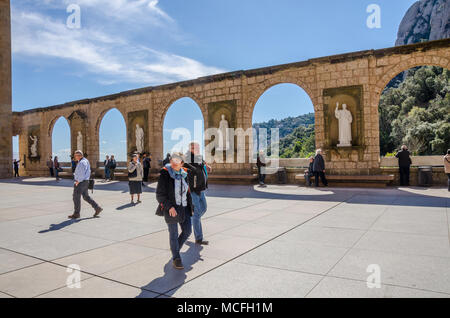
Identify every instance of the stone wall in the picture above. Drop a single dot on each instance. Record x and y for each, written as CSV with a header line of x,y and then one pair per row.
x,y
370,71
5,91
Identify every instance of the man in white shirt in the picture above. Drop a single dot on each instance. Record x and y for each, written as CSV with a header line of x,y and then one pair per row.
x,y
81,186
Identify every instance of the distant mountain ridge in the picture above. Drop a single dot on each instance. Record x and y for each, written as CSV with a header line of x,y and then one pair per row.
x,y
426,20
287,125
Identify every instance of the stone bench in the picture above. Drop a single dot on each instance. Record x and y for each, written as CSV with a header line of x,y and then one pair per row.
x,y
376,181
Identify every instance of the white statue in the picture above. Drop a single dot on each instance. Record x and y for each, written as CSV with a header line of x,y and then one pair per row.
x,y
345,125
139,139
223,138
80,141
33,148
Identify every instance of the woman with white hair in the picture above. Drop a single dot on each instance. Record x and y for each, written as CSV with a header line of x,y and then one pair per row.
x,y
175,204
135,176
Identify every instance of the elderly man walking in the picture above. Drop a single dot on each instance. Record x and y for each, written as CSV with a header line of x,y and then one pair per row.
x,y
319,169
81,186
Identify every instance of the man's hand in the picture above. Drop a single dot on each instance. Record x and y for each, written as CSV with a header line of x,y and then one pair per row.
x,y
173,212
76,183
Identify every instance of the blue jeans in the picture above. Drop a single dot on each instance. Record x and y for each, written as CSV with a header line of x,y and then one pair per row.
x,y
177,242
107,173
200,207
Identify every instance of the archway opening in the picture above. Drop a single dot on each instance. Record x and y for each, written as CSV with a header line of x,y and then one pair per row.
x,y
113,136
414,110
15,145
61,146
183,124
288,108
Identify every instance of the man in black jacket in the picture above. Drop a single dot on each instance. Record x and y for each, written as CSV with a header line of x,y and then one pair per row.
x,y
198,183
404,164
319,168
147,165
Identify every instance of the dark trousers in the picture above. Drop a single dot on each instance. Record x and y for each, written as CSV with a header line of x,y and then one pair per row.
x,y
321,175
82,191
308,178
261,176
177,241
16,172
448,182
52,174
404,176
146,172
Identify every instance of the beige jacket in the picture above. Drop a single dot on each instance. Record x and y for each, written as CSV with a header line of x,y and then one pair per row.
x,y
140,171
447,163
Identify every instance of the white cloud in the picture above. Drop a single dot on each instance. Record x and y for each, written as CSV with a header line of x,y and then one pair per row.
x,y
103,47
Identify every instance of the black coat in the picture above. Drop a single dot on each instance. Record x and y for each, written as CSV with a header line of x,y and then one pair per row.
x,y
404,159
165,192
319,163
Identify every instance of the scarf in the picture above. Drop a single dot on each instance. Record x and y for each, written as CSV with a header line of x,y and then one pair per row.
x,y
181,186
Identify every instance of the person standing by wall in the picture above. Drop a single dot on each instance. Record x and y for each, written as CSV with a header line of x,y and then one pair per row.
x,y
73,164
16,168
106,165
57,168
166,161
310,172
175,201
50,166
404,164
146,165
135,175
447,167
261,164
112,169
198,183
319,169
81,186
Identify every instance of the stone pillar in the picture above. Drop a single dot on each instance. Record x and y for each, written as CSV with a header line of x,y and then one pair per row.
x,y
5,91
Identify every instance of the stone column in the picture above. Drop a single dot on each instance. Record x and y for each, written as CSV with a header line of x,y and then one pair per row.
x,y
5,91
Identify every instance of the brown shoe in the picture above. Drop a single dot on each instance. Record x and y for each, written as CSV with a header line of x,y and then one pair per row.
x,y
74,216
97,212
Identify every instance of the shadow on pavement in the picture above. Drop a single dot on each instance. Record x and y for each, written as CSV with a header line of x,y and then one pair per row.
x,y
57,227
173,279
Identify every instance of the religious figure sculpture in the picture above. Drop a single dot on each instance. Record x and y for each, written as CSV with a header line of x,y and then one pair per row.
x,y
139,139
345,119
33,148
80,141
223,138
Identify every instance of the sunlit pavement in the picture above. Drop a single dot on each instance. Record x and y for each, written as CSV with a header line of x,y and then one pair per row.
x,y
279,241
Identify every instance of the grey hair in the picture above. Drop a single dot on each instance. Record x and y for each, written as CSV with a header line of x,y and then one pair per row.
x,y
318,151
79,152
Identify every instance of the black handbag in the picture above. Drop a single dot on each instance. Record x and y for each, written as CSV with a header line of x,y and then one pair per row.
x,y
174,220
132,174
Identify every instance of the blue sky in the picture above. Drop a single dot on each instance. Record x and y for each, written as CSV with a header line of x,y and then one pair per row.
x,y
125,44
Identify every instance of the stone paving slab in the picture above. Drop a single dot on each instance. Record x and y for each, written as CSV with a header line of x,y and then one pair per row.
x,y
279,241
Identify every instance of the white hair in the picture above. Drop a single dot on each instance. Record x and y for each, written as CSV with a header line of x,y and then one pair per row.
x,y
79,152
318,151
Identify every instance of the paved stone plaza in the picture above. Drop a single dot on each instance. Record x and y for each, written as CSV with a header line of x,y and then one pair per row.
x,y
280,241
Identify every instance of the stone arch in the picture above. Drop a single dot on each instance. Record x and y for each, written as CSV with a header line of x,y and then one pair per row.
x,y
398,68
52,123
102,115
170,100
261,88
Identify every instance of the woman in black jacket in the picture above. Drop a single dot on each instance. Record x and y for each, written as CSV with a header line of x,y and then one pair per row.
x,y
175,200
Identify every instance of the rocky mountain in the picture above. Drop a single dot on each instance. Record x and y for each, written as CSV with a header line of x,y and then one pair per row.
x,y
426,20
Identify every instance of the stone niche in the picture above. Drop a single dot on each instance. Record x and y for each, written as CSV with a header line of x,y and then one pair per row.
x,y
78,125
134,119
353,97
215,112
34,143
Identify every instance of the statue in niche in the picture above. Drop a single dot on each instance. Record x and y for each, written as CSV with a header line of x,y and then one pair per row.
x,y
139,139
80,141
345,119
33,148
223,137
